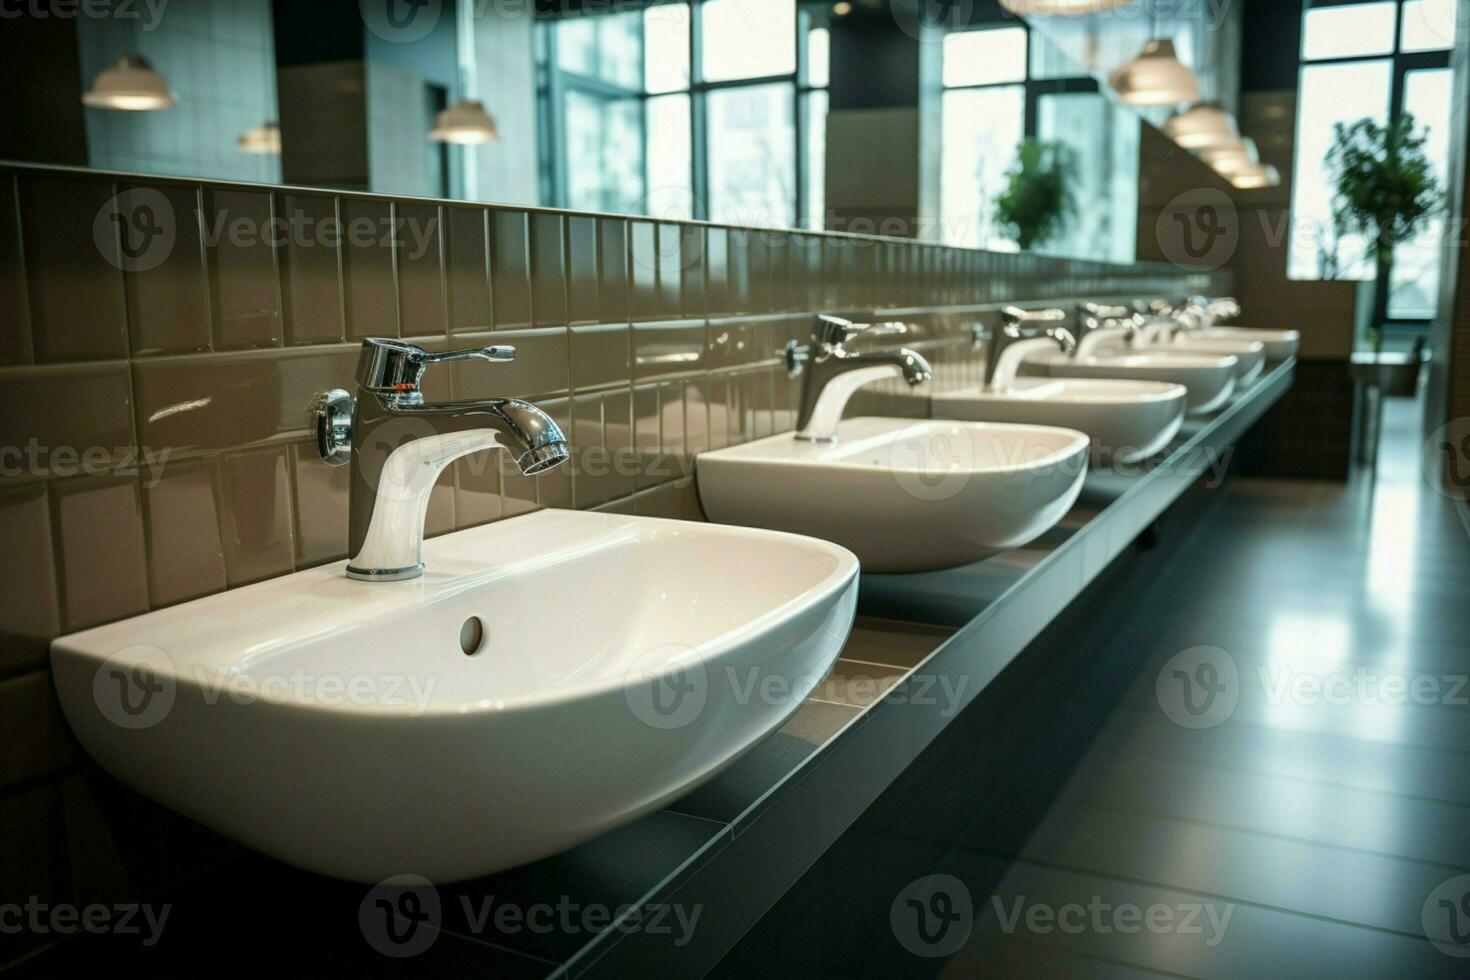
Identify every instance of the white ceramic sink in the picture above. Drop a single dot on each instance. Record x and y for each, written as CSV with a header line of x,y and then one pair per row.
x,y
904,495
1279,344
1250,355
341,726
1127,420
1210,378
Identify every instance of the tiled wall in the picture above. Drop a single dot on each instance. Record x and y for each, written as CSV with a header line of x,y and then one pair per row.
x,y
648,341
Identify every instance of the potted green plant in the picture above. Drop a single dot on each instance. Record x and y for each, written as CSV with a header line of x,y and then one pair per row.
x,y
1384,189
1038,200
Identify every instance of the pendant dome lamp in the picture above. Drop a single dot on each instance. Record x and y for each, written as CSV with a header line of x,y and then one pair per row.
x,y
466,123
1155,78
1062,8
1256,177
1203,126
1234,159
132,84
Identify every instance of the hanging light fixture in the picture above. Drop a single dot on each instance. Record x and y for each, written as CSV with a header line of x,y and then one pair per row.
x,y
260,139
131,84
1062,8
1256,176
1236,158
466,122
1203,126
1156,77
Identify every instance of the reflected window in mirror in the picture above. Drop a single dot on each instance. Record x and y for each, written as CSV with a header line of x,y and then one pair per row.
x,y
1004,84
713,110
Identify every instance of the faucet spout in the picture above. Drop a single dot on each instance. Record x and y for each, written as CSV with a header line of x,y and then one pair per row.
x,y
1015,345
834,373
400,444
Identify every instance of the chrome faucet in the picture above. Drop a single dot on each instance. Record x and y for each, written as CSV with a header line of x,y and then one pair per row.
x,y
1025,332
834,373
398,444
1101,325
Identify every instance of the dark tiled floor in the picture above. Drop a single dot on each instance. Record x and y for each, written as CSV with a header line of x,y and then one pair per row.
x,y
1323,813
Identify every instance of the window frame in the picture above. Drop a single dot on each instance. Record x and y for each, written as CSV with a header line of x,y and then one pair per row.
x,y
1401,63
553,82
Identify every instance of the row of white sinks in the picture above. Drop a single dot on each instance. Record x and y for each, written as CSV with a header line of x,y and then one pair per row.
x,y
557,674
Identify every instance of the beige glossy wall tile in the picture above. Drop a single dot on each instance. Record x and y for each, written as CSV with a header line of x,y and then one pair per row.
x,y
582,262
716,271
510,268
369,287
468,265
601,356
643,286
422,306
548,270
612,262
667,349
311,285
241,258
30,610
168,295
15,307
319,494
182,522
226,401
98,523
64,419
539,369
73,268
669,244
255,500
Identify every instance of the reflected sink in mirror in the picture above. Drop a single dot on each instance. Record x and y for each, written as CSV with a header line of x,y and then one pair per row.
x,y
440,726
1127,420
904,495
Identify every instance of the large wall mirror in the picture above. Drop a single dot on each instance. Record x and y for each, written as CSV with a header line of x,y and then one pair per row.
x,y
969,123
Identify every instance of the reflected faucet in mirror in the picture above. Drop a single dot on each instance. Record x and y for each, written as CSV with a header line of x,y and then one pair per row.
x,y
397,444
834,373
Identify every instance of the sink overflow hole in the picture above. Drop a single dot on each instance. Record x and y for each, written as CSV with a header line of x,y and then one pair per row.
x,y
472,636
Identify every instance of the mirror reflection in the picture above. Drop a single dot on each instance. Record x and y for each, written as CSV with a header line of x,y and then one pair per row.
x,y
996,125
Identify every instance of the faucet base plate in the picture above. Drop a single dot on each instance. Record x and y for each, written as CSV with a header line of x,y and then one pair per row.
x,y
385,574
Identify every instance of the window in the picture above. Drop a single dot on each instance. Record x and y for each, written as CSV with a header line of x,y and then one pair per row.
x,y
634,122
1377,60
982,119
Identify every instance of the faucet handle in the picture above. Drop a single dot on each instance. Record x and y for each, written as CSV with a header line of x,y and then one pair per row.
x,y
836,331
396,365
1015,316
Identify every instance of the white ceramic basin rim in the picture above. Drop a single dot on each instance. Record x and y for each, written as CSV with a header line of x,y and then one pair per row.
x,y
904,495
362,730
